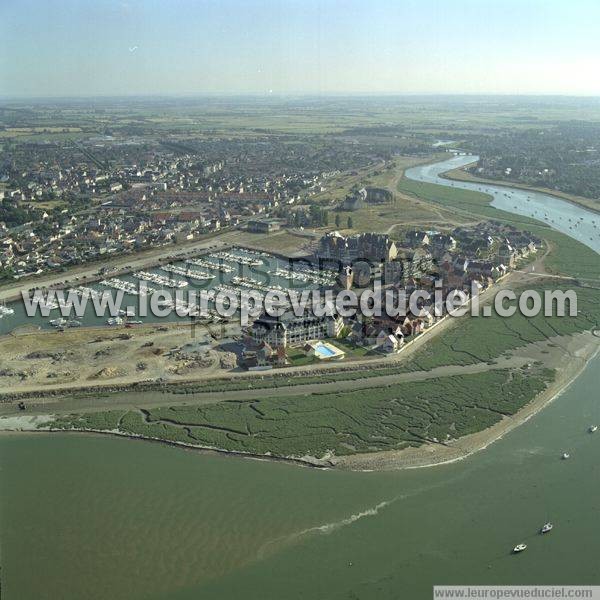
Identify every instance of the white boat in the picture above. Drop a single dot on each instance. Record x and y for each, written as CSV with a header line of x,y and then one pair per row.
x,y
546,528
6,311
160,280
60,322
187,272
593,428
120,284
86,292
115,321
210,265
235,258
165,303
519,548
566,455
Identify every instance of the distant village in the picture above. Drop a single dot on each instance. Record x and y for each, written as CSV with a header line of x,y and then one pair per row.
x,y
62,205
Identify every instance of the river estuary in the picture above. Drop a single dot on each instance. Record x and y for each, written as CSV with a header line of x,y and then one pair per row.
x,y
97,517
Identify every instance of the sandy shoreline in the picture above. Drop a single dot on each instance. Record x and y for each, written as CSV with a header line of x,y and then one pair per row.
x,y
582,349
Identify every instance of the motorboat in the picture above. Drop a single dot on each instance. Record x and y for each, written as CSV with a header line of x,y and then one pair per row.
x,y
593,428
566,455
6,311
546,528
519,548
60,322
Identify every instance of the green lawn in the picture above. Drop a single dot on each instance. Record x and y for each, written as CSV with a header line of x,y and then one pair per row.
x,y
298,358
351,350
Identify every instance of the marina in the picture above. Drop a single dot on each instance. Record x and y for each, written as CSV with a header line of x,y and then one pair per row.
x,y
206,264
160,279
375,519
211,272
119,284
252,284
237,258
189,273
307,275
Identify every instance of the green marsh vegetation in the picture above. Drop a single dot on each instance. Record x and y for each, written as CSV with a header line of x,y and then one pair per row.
x,y
382,418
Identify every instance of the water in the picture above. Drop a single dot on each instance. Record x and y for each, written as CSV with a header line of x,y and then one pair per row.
x,y
571,219
96,517
100,517
263,274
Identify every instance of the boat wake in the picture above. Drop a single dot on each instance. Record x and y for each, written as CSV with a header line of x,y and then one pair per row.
x,y
327,528
333,526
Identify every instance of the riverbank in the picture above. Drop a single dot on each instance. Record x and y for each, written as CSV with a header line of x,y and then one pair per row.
x,y
438,454
460,174
581,349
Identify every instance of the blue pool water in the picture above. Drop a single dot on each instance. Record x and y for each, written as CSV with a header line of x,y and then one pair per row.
x,y
324,351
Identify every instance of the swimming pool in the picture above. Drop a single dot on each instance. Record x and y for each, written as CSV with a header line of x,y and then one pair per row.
x,y
324,351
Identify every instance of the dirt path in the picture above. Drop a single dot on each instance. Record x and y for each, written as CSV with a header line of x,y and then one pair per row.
x,y
551,352
135,399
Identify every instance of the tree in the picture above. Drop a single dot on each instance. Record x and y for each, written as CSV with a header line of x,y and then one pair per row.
x,y
350,223
337,221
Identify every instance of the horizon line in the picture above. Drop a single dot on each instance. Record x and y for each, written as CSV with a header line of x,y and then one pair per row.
x,y
308,95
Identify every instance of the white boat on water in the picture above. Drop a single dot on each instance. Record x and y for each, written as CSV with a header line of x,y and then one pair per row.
x,y
235,258
210,265
120,284
546,528
593,428
160,280
60,322
566,455
5,311
519,548
115,321
187,272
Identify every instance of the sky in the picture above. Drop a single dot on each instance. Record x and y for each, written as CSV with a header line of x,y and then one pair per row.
x,y
315,47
